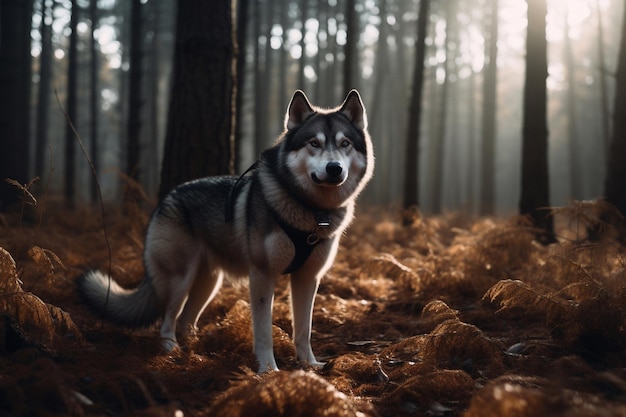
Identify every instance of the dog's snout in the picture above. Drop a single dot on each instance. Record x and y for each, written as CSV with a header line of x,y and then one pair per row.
x,y
334,169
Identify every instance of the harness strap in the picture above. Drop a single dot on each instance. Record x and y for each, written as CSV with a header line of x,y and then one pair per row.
x,y
303,242
229,207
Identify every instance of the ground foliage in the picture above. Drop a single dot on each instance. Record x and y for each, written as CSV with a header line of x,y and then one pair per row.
x,y
443,316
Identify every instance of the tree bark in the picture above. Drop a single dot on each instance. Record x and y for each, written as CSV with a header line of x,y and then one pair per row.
x,y
535,194
487,174
411,180
15,71
135,101
94,101
69,172
43,95
606,115
350,48
614,186
438,138
200,125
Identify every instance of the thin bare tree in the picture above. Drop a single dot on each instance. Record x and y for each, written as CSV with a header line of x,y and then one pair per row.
x,y
535,193
411,180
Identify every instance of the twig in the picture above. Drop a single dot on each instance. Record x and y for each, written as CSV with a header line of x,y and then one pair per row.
x,y
98,189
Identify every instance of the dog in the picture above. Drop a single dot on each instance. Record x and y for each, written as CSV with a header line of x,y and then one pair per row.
x,y
285,215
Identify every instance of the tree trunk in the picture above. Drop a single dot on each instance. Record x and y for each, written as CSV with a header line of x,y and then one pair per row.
x,y
614,186
487,175
69,173
438,138
43,95
242,30
606,117
15,70
379,123
350,48
152,19
198,140
260,119
94,100
575,164
304,11
133,148
535,194
411,180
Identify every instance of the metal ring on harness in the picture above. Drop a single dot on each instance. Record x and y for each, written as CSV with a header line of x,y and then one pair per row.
x,y
312,239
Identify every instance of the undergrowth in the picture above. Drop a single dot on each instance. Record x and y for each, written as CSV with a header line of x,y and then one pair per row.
x,y
443,316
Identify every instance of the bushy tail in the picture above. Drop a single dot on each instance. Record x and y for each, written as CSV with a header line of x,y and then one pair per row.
x,y
135,308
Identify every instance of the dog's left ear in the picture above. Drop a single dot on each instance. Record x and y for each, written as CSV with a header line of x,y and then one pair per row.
x,y
298,111
354,110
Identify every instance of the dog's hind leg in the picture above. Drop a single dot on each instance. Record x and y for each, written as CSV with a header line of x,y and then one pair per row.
x,y
261,303
205,287
177,293
303,290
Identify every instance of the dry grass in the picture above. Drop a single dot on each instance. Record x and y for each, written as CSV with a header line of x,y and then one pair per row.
x,y
445,316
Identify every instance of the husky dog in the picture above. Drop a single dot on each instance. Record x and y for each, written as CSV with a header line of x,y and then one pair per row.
x,y
285,215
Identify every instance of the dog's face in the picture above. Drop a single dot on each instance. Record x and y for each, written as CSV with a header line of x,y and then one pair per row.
x,y
328,152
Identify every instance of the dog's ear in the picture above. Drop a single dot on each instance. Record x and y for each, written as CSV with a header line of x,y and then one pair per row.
x,y
354,110
298,111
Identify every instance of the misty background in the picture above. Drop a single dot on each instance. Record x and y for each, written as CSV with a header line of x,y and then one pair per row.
x,y
305,44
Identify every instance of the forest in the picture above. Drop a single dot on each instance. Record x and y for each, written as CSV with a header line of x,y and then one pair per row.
x,y
483,274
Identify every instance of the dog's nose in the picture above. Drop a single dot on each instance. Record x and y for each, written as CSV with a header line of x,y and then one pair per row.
x,y
334,169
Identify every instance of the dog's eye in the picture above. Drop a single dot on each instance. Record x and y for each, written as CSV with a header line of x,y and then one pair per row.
x,y
345,143
314,143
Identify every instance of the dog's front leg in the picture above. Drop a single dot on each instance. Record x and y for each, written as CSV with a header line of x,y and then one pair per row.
x,y
303,290
261,302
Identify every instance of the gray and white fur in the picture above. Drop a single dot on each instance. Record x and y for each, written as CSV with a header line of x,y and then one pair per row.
x,y
285,216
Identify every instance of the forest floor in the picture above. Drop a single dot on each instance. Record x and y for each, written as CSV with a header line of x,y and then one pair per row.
x,y
448,316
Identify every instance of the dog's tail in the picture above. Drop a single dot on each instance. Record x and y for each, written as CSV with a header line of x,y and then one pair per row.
x,y
134,308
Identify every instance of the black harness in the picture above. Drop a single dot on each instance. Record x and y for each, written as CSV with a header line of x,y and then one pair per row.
x,y
303,241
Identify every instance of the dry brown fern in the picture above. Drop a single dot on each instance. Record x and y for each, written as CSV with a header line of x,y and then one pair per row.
x,y
34,321
386,264
45,260
284,393
582,315
512,294
27,196
593,218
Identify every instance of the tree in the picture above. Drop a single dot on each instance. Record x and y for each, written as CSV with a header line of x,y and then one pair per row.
x,y
43,94
575,163
604,102
200,131
15,70
133,148
411,180
614,185
69,171
93,99
260,93
487,174
438,138
350,48
535,193
304,12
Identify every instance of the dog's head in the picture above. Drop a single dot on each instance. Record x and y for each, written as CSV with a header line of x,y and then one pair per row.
x,y
328,152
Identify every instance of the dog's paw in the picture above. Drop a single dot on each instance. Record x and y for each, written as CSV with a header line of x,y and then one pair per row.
x,y
313,364
169,345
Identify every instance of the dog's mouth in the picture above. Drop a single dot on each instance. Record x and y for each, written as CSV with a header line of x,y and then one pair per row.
x,y
327,182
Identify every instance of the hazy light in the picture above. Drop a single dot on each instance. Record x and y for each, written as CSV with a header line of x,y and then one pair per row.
x,y
295,51
82,28
309,73
370,35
